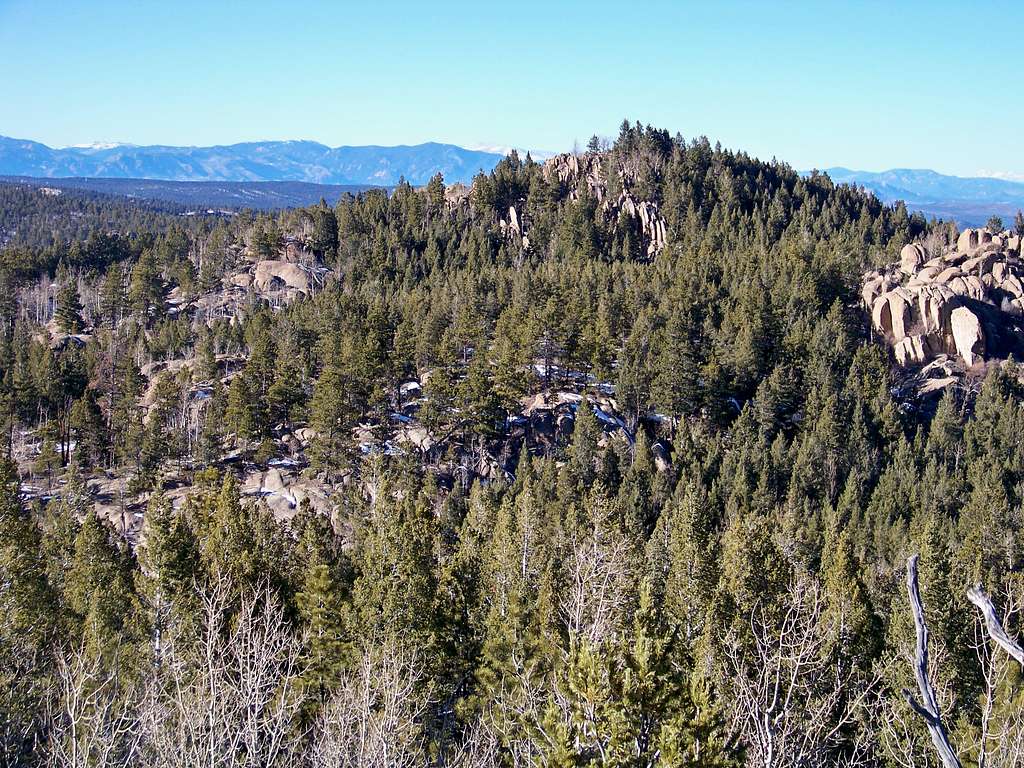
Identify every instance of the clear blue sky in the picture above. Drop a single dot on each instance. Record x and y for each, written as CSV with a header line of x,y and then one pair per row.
x,y
864,85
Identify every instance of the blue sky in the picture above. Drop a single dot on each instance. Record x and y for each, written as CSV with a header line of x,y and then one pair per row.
x,y
865,85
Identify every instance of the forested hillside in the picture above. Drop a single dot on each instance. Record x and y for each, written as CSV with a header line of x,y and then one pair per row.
x,y
592,462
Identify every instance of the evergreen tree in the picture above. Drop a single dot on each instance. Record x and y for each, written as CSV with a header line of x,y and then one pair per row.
x,y
29,608
68,313
632,704
98,587
168,564
322,611
583,450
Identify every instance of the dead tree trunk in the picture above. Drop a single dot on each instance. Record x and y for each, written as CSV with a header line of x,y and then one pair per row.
x,y
995,628
928,708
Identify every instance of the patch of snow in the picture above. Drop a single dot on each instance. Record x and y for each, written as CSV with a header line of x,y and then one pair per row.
x,y
1001,175
97,145
282,463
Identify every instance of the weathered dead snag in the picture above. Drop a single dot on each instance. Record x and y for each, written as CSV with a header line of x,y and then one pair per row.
x,y
928,708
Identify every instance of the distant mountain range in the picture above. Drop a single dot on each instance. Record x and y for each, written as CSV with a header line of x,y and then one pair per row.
x,y
305,161
276,174
968,201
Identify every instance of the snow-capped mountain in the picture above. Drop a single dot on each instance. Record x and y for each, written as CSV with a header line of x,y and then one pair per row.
x,y
306,161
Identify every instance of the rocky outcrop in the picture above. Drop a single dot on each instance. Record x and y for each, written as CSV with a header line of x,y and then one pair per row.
x,y
968,335
911,258
579,173
912,350
283,489
652,225
270,275
512,229
574,171
456,196
965,304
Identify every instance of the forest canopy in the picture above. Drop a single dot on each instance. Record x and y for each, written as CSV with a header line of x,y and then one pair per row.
x,y
593,462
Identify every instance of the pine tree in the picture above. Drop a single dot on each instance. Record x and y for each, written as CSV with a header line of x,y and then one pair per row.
x,y
631,703
322,610
69,308
113,295
636,493
477,398
29,609
285,396
583,450
98,587
207,368
693,568
324,238
396,590
168,563
229,547
147,292
334,410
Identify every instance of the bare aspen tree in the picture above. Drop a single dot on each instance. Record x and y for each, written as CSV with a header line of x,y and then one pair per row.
x,y
1000,741
478,748
516,714
94,720
995,627
373,721
792,700
230,696
599,578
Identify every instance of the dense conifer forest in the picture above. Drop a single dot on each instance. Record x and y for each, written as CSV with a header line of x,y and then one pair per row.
x,y
593,462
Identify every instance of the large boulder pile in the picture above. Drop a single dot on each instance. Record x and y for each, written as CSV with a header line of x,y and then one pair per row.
x,y
965,304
